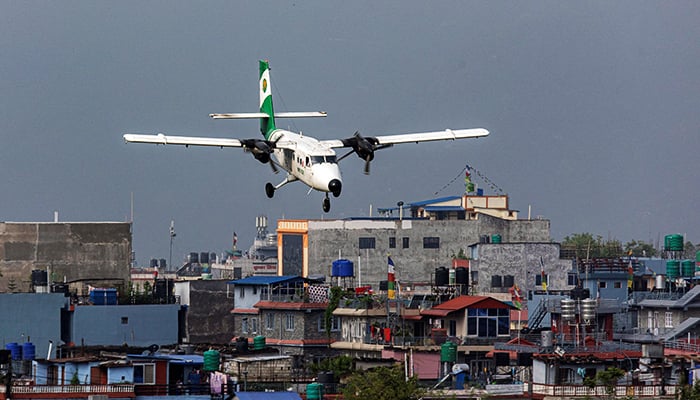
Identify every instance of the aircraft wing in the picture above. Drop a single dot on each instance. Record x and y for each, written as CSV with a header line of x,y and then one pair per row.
x,y
182,140
447,134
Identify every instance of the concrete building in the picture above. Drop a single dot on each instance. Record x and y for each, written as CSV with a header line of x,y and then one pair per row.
x,y
81,253
430,235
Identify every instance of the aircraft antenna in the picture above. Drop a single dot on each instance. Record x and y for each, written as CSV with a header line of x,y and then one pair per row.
x,y
278,95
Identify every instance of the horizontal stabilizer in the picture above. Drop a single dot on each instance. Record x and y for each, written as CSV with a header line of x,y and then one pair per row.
x,y
301,114
182,140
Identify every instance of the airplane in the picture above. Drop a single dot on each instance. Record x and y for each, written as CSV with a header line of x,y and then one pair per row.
x,y
304,158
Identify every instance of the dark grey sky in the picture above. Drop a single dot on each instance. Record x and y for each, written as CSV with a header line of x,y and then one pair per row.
x,y
593,109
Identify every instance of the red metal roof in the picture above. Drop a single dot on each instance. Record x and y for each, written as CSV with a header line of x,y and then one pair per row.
x,y
462,302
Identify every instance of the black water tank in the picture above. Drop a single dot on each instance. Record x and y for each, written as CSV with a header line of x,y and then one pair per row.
x,y
204,257
39,277
194,258
442,276
462,276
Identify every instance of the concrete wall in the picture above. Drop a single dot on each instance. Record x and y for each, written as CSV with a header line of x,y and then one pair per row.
x,y
32,317
208,318
97,252
522,261
135,325
328,239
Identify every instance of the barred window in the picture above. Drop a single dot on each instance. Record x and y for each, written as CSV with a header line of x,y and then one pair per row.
x,y
367,243
431,242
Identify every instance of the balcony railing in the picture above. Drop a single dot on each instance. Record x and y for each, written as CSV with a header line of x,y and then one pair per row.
x,y
50,389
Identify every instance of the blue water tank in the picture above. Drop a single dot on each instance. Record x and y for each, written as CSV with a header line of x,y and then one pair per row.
x,y
15,350
28,351
342,268
102,297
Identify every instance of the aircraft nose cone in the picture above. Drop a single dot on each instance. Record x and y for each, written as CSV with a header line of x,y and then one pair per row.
x,y
335,187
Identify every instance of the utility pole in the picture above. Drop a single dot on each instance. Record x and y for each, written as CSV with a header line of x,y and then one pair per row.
x,y
170,261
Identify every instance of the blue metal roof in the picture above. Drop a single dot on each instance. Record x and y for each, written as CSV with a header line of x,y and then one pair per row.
x,y
443,208
267,395
194,359
431,201
265,280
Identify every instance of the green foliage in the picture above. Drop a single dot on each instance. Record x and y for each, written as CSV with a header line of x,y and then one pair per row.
x,y
689,392
588,246
74,380
334,299
340,366
383,383
637,248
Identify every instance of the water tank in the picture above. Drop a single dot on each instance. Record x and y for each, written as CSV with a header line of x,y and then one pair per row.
x,y
462,275
314,391
496,238
194,258
153,263
496,281
442,276
259,342
673,242
103,297
660,282
15,350
28,351
162,263
204,257
547,338
588,308
448,352
211,360
39,277
508,281
568,309
326,377
452,274
212,258
687,268
342,268
673,268
242,344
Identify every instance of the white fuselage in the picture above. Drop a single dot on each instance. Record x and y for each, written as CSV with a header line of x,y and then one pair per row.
x,y
306,159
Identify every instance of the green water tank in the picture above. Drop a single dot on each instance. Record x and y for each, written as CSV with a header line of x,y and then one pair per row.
x,y
448,352
259,342
496,238
673,269
687,268
673,242
314,391
211,360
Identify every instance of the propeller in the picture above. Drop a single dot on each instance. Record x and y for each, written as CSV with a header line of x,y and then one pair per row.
x,y
364,147
261,150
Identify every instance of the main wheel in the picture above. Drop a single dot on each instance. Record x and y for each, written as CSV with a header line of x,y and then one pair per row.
x,y
326,204
269,190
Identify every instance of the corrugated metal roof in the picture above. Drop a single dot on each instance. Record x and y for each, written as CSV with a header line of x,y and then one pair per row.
x,y
265,280
462,302
433,201
267,395
443,208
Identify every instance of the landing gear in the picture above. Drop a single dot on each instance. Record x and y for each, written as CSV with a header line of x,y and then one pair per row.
x,y
326,204
269,190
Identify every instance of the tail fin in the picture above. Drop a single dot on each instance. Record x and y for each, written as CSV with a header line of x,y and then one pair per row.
x,y
267,125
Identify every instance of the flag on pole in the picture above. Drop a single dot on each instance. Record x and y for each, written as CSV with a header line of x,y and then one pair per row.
x,y
544,277
235,240
391,279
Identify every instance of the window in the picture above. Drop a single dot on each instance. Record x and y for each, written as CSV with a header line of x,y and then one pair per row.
x,y
335,324
538,279
392,242
571,280
668,319
254,325
617,285
255,290
602,285
431,242
242,292
145,373
452,330
367,243
289,323
244,325
489,322
125,320
270,321
404,242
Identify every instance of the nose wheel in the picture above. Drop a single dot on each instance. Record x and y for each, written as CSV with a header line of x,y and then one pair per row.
x,y
269,190
326,204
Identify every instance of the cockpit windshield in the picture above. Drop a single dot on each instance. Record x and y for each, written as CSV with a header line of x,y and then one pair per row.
x,y
323,159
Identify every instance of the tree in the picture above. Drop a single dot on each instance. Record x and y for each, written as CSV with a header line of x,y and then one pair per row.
x,y
586,246
637,248
383,383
